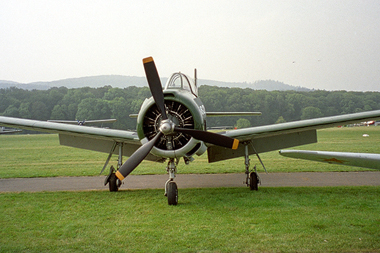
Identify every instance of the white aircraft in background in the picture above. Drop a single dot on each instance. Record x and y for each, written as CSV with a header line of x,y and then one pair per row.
x,y
84,122
365,160
8,131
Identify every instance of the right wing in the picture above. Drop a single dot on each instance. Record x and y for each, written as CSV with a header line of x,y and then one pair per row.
x,y
92,138
365,160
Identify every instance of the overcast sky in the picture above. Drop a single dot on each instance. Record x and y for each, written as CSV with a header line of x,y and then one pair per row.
x,y
332,45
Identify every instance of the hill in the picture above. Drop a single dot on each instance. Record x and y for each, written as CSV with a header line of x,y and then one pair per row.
x,y
120,81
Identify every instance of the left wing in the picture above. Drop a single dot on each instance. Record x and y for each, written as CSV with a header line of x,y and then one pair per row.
x,y
278,136
75,130
91,138
365,160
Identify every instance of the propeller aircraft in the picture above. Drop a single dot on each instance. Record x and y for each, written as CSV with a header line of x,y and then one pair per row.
x,y
172,125
8,131
84,122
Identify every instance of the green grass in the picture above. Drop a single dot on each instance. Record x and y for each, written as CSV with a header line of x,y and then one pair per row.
x,y
42,156
305,219
330,219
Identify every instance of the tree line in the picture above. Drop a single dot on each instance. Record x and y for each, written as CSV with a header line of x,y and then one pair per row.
x,y
108,102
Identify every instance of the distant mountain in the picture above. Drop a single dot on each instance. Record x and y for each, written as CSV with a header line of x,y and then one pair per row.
x,y
125,81
90,81
268,85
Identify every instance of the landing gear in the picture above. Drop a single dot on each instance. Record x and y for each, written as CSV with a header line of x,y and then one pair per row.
x,y
112,181
253,181
252,178
171,190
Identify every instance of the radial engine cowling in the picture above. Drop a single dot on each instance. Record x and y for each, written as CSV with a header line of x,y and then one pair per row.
x,y
185,111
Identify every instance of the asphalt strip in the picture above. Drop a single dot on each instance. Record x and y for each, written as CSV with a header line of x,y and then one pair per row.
x,y
192,181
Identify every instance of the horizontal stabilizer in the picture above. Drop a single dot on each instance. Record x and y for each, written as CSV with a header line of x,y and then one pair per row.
x,y
225,114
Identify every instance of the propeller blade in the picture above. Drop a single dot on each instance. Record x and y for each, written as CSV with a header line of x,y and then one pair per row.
x,y
155,84
209,137
136,158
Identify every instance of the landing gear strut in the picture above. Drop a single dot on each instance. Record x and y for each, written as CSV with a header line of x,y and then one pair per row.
x,y
171,190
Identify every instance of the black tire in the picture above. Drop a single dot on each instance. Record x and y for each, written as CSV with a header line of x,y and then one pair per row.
x,y
253,181
112,183
172,194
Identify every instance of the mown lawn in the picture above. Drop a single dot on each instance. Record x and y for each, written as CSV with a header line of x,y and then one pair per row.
x,y
306,219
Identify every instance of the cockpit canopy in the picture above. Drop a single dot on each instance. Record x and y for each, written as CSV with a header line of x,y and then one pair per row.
x,y
182,81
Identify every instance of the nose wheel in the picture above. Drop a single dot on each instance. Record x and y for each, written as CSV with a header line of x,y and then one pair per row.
x,y
172,193
171,190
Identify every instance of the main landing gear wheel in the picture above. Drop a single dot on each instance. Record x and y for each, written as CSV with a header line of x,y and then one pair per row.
x,y
112,181
172,193
253,181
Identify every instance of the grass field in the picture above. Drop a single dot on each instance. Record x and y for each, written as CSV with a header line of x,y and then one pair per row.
x,y
289,219
338,219
42,156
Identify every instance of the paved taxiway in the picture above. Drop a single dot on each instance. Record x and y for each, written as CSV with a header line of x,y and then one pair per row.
x,y
191,181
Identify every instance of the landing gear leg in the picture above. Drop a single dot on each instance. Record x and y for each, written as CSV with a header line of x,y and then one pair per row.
x,y
252,179
113,182
171,190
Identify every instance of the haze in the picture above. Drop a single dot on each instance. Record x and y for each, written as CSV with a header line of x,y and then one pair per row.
x,y
331,45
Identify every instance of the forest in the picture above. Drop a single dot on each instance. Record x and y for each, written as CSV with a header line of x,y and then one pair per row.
x,y
108,102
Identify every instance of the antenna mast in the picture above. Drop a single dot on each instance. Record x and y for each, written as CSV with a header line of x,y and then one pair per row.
x,y
195,78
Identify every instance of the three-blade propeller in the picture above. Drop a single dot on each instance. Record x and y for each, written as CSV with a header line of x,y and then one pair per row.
x,y
167,126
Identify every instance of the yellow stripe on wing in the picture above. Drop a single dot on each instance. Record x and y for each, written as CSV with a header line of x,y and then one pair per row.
x,y
235,145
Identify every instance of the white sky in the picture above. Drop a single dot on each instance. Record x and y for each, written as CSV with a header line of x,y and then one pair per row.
x,y
319,44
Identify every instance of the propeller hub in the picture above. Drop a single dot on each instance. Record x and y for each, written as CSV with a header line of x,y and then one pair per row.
x,y
167,127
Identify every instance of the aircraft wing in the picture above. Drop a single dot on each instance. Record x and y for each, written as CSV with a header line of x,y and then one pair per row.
x,y
365,160
92,138
284,135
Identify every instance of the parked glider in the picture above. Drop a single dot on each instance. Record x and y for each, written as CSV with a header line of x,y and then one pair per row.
x,y
365,160
172,125
84,122
8,131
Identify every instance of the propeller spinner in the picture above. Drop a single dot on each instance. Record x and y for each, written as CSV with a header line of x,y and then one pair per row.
x,y
167,126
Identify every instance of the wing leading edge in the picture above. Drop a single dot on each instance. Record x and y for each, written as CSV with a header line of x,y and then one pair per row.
x,y
75,130
284,135
91,138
